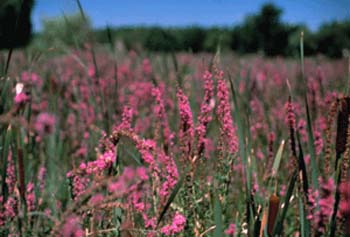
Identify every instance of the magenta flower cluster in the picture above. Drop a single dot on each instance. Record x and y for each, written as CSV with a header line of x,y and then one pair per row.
x,y
223,111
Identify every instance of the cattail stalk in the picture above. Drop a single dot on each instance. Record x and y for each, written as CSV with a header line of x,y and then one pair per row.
x,y
345,160
273,210
342,127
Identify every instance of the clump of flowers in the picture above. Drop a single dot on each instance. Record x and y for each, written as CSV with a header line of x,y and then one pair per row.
x,y
21,97
326,203
176,226
72,227
30,197
205,115
231,230
186,132
160,114
227,130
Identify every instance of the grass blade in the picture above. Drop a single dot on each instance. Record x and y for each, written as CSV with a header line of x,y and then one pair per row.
x,y
279,224
217,217
278,158
314,173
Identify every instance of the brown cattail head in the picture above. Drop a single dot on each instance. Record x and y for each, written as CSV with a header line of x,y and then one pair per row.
x,y
342,125
273,210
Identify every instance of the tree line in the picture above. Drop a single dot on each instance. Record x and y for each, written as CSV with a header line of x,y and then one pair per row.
x,y
263,32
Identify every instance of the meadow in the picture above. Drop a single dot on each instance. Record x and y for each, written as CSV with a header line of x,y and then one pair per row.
x,y
110,142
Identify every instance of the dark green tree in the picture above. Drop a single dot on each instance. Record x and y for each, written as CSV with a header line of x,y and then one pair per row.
x,y
15,23
333,37
158,39
217,37
192,38
273,34
263,31
245,38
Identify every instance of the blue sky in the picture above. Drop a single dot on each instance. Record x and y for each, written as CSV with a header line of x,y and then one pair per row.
x,y
190,12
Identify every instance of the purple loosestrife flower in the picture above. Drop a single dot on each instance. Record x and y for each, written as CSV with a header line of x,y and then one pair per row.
x,y
21,97
30,197
171,174
312,196
126,119
41,178
231,230
72,227
103,162
45,123
78,184
290,119
186,132
302,130
326,203
128,177
32,78
10,174
146,66
227,130
159,111
10,207
176,226
207,107
318,143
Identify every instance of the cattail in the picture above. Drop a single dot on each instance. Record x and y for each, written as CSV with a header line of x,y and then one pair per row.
x,y
344,207
345,161
342,126
273,210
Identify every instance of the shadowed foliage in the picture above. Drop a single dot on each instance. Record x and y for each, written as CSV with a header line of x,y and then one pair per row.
x,y
15,23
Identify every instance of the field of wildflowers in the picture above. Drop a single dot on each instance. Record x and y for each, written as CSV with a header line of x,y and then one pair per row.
x,y
94,144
